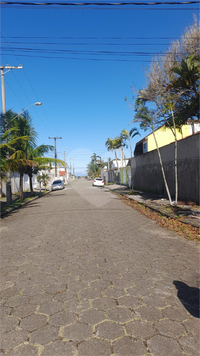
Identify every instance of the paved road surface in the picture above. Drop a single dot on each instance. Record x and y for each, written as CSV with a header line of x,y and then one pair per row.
x,y
84,274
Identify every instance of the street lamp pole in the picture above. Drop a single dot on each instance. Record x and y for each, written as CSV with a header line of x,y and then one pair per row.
x,y
37,104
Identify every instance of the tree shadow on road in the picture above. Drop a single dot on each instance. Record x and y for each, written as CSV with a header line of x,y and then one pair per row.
x,y
189,297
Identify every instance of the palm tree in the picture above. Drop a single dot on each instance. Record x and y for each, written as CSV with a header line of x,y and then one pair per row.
x,y
36,155
19,160
127,135
9,140
113,145
186,84
93,169
45,178
147,119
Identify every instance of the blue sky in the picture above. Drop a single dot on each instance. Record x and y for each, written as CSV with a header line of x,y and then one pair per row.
x,y
81,63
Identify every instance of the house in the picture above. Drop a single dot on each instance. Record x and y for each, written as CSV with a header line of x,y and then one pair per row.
x,y
164,136
119,163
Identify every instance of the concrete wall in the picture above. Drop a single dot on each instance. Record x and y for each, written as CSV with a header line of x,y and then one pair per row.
x,y
146,172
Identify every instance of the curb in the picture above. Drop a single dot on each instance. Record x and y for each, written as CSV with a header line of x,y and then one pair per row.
x,y
155,210
9,210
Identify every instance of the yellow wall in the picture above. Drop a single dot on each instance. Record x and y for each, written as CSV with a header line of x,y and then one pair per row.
x,y
165,136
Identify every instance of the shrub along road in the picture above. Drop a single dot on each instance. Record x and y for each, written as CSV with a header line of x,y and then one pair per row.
x,y
84,274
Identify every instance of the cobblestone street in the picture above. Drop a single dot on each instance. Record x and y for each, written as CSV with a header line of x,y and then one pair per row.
x,y
83,274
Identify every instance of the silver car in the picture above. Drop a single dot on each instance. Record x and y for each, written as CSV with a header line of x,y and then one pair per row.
x,y
57,184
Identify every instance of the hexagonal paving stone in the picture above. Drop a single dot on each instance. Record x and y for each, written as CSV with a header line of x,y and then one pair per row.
x,y
10,292
92,316
103,303
161,346
119,314
65,296
62,318
24,350
170,328
77,332
34,290
17,301
44,335
94,347
33,322
9,323
99,284
50,308
76,306
140,329
59,348
89,293
113,292
24,310
176,314
148,313
154,300
5,311
129,347
190,344
193,326
122,283
13,338
41,299
109,330
55,288
130,302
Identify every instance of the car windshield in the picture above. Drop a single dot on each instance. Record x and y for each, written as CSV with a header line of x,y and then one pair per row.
x,y
57,181
98,179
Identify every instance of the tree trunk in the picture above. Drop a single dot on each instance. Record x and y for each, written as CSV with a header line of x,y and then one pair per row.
x,y
130,147
21,187
116,159
162,169
175,160
31,184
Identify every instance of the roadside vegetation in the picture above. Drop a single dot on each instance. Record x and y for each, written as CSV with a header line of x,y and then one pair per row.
x,y
171,95
173,224
95,166
19,151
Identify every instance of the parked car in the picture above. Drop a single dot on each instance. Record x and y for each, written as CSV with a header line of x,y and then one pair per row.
x,y
57,184
98,182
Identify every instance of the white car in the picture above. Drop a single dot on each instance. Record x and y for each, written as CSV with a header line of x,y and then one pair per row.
x,y
98,182
57,184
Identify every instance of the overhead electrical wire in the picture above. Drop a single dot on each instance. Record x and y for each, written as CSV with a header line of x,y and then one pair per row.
x,y
92,3
23,89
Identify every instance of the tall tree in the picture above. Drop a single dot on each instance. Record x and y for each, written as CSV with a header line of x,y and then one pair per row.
x,y
113,145
19,160
172,90
127,135
93,169
148,120
36,154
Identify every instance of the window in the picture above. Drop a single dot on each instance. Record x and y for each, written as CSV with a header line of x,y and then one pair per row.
x,y
145,147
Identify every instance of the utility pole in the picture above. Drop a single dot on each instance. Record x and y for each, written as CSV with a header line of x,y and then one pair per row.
x,y
8,176
55,138
70,167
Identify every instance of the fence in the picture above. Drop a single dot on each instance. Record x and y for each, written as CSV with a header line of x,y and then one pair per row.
x,y
147,176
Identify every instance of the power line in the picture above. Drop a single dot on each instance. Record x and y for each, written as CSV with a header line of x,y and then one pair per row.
x,y
101,4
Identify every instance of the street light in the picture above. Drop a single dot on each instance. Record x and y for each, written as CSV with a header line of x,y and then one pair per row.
x,y
37,104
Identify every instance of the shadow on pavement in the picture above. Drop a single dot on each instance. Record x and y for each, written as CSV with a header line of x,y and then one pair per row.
x,y
189,297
